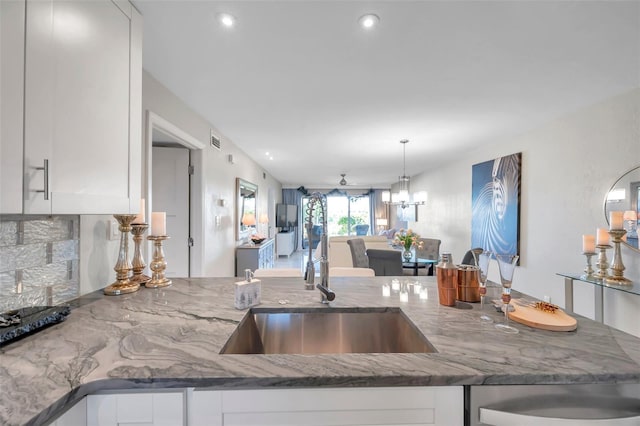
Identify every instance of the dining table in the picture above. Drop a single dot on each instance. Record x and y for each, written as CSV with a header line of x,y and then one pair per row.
x,y
420,263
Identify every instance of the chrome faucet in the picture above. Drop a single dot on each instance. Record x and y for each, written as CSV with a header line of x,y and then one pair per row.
x,y
309,275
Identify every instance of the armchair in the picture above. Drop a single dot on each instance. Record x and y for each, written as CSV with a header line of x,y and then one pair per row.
x,y
314,238
361,229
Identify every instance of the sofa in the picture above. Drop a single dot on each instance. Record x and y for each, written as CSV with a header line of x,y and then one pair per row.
x,y
388,233
340,254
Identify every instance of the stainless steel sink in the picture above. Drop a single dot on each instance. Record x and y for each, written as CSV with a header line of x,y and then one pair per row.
x,y
326,331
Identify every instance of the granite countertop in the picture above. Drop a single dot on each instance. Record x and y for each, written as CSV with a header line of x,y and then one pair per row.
x,y
172,337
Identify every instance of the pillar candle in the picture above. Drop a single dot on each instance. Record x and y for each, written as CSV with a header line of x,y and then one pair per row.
x,y
158,223
588,243
140,216
615,220
602,238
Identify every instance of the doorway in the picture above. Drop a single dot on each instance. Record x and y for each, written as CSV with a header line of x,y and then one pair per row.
x,y
170,194
164,185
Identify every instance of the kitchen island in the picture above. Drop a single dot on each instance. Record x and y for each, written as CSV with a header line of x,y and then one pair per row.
x,y
171,338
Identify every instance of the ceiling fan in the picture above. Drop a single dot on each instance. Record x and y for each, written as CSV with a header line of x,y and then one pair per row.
x,y
343,180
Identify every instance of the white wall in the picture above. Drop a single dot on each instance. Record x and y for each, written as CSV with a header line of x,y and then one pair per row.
x,y
567,166
215,179
218,179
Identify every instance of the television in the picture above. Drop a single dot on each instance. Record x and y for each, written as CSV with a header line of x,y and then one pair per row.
x,y
286,215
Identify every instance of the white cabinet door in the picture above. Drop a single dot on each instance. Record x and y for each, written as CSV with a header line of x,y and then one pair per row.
x,y
11,104
136,409
75,416
82,107
338,406
285,242
204,408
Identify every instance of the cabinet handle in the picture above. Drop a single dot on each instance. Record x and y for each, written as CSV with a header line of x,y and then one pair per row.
x,y
45,168
489,416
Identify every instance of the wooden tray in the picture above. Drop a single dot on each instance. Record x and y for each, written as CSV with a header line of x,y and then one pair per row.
x,y
556,321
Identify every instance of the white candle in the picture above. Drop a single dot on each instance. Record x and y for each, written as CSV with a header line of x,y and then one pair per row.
x,y
588,244
602,237
158,223
615,220
141,213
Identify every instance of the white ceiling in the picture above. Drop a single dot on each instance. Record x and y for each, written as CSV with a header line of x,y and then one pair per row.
x,y
301,79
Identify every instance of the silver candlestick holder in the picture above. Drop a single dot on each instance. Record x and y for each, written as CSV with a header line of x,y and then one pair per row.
x,y
588,270
158,264
138,230
617,267
603,263
123,284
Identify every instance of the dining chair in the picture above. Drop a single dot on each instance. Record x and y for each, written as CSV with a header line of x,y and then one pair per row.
x,y
430,249
385,262
358,253
345,271
468,256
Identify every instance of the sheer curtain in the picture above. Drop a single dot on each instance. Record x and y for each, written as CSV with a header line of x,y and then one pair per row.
x,y
377,208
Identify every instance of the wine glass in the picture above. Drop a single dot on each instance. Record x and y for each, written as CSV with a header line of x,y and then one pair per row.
x,y
482,262
507,266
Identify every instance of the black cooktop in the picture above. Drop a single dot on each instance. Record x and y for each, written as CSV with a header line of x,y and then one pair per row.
x,y
20,322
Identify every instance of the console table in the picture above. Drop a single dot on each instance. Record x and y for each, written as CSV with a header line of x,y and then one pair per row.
x,y
598,291
258,256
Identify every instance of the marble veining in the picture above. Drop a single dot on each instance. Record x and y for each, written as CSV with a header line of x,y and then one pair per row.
x,y
172,337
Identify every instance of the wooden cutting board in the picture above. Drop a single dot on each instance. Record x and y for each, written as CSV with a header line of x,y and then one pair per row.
x,y
556,321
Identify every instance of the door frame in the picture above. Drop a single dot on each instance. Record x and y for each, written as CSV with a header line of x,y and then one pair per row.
x,y
154,121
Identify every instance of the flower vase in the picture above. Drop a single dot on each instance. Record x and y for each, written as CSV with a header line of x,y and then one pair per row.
x,y
407,255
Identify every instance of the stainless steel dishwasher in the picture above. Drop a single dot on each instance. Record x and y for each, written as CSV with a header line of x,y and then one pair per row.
x,y
551,405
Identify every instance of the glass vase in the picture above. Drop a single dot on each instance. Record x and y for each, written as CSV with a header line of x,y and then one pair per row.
x,y
407,255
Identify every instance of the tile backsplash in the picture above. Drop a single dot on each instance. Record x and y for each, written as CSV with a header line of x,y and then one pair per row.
x,y
39,260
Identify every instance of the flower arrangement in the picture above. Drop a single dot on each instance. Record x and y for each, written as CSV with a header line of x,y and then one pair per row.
x,y
407,239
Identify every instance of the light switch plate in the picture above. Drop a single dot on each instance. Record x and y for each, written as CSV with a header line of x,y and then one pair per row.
x,y
113,231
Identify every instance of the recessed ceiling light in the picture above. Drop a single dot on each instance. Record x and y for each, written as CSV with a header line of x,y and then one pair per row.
x,y
227,20
369,20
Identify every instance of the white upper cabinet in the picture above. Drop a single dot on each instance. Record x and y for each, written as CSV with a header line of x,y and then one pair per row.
x,y
11,104
82,108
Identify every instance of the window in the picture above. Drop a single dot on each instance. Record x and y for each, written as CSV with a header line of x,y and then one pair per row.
x,y
345,216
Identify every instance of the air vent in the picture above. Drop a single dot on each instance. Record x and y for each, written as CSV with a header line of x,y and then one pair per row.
x,y
215,141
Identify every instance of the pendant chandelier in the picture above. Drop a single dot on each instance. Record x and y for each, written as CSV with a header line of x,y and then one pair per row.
x,y
403,197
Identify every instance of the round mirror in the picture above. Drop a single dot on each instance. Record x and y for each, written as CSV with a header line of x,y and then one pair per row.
x,y
624,196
